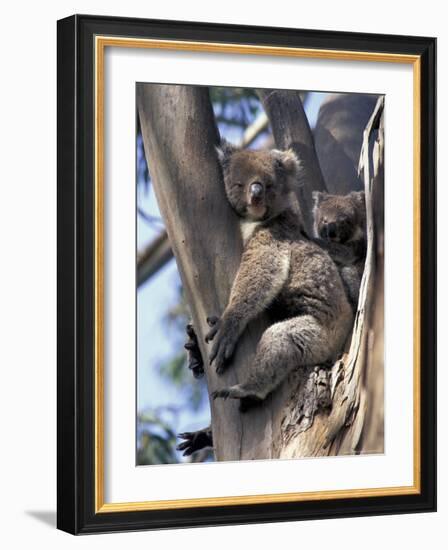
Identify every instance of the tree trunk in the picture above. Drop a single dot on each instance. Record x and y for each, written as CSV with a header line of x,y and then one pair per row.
x,y
353,388
291,130
179,135
338,139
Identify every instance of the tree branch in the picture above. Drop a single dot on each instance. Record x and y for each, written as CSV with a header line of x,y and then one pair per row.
x,y
291,129
153,258
338,137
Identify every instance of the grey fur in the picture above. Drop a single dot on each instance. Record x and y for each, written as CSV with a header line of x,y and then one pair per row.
x,y
347,240
281,271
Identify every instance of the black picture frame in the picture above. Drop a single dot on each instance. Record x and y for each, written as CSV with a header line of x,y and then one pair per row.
x,y
76,253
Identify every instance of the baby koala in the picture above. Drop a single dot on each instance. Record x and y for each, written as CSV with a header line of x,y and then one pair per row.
x,y
282,272
340,228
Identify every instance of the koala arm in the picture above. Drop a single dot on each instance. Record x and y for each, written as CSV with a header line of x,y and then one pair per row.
x,y
263,271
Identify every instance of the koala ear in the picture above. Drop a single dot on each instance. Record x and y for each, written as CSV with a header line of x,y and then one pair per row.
x,y
318,196
287,161
224,151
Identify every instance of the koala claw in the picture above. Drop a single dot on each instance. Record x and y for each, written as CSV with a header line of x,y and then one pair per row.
x,y
220,370
212,320
221,353
232,392
223,394
195,363
248,399
211,334
195,441
213,323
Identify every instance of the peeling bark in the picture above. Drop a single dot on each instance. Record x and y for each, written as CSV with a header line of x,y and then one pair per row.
x,y
354,384
355,423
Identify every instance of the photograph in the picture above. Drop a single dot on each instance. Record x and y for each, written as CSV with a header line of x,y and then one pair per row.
x,y
259,274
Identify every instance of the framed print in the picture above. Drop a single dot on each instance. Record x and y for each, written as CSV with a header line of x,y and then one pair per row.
x,y
246,274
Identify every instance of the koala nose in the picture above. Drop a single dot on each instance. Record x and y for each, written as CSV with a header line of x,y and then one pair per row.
x,y
331,230
256,190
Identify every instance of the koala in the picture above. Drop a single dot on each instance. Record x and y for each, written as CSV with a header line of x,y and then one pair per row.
x,y
282,272
194,441
195,362
340,227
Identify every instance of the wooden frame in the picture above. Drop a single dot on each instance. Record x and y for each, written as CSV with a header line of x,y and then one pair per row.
x,y
81,44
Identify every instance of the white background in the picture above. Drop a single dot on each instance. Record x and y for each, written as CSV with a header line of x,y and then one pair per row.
x,y
123,481
28,275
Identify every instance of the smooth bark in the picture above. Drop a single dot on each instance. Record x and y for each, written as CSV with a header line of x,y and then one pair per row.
x,y
338,137
291,130
180,136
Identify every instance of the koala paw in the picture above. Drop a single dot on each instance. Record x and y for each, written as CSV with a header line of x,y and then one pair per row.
x,y
248,399
233,392
225,337
222,350
195,441
223,394
195,362
213,323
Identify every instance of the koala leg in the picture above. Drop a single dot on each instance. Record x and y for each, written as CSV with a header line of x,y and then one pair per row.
x,y
284,346
195,362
